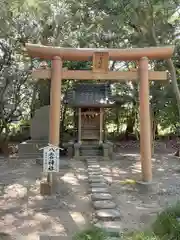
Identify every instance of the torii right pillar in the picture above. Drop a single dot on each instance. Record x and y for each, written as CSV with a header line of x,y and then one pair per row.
x,y
145,127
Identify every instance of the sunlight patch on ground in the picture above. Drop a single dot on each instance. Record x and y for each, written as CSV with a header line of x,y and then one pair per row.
x,y
161,169
136,168
78,218
81,177
128,181
106,170
71,179
57,227
15,191
122,172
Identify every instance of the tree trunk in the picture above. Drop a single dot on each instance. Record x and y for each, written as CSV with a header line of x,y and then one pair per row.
x,y
175,88
62,123
174,82
117,121
33,101
153,130
130,126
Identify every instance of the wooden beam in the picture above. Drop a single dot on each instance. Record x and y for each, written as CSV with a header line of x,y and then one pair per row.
x,y
88,75
86,54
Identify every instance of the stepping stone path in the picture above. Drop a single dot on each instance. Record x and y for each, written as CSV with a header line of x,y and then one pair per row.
x,y
98,185
101,196
102,201
107,214
112,226
96,179
99,190
106,204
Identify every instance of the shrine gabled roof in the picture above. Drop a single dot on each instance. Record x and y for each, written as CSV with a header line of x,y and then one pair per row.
x,y
89,94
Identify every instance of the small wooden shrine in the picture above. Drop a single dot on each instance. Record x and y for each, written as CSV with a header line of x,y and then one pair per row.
x,y
89,101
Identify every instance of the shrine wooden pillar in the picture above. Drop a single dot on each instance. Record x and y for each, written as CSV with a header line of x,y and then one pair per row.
x,y
101,126
55,101
145,129
79,125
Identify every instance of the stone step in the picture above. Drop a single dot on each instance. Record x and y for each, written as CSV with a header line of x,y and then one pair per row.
x,y
54,238
89,146
101,196
92,151
113,227
107,214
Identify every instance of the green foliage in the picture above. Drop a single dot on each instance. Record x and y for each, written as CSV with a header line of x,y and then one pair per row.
x,y
91,234
142,236
167,224
90,23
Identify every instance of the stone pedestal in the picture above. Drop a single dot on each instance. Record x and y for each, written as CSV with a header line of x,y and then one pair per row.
x,y
45,188
111,149
108,150
146,187
77,150
70,149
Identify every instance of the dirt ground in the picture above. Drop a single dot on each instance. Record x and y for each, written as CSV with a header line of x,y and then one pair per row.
x,y
24,212
139,209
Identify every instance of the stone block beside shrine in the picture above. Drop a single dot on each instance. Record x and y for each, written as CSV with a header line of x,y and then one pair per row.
x,y
39,133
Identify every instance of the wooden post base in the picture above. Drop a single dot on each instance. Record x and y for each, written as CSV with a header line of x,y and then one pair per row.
x,y
45,188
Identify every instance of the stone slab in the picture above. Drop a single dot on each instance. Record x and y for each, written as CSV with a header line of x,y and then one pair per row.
x,y
39,125
98,185
94,170
93,175
99,190
110,226
107,214
105,204
92,161
93,165
96,180
101,196
52,238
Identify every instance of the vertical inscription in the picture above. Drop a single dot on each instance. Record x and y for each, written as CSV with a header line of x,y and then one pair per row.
x,y
100,62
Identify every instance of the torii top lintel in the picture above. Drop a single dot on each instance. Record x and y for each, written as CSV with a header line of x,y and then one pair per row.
x,y
85,54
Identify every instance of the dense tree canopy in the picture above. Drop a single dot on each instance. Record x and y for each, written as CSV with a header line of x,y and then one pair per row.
x,y
88,23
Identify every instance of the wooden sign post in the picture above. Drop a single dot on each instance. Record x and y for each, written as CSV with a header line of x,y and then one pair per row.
x,y
50,166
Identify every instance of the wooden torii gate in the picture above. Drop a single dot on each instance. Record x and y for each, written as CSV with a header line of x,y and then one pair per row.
x,y
100,58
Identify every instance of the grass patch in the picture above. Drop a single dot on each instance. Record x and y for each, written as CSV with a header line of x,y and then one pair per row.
x,y
147,235
92,233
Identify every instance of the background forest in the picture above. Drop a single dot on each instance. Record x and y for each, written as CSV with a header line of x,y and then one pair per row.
x,y
87,23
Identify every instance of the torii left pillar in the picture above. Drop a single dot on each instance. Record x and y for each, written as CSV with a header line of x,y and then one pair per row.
x,y
145,127
54,116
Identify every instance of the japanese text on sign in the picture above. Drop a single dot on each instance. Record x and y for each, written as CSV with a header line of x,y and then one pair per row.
x,y
51,159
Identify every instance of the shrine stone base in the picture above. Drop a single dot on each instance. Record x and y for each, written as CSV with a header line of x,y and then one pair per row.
x,y
79,151
31,148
